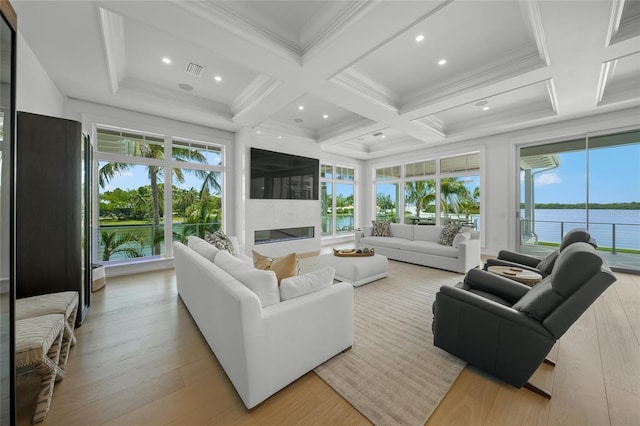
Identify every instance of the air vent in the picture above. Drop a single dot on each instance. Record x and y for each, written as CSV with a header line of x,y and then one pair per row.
x,y
377,134
194,69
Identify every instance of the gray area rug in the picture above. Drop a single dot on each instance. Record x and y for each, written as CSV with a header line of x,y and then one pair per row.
x,y
394,374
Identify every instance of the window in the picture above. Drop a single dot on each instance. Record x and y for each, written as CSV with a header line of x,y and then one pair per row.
x,y
592,182
452,181
137,217
338,212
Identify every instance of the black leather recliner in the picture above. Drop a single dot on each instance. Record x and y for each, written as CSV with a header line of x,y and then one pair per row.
x,y
506,328
541,265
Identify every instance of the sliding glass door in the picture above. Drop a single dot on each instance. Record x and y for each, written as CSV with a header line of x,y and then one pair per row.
x,y
591,182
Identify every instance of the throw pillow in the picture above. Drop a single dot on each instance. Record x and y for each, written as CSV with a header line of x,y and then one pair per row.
x,y
381,228
284,267
459,238
307,283
202,247
263,283
448,234
220,240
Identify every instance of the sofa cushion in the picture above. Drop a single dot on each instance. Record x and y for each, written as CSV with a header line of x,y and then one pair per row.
x,y
284,267
429,247
402,231
546,264
460,238
220,240
427,233
307,283
448,234
389,242
202,247
381,228
263,283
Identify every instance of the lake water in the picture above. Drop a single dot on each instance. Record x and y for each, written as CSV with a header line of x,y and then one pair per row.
x,y
550,223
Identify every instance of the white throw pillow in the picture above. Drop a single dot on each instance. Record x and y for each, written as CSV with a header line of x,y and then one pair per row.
x,y
460,237
202,247
263,283
307,283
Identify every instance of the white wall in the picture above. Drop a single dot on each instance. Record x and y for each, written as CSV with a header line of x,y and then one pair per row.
x,y
252,215
35,91
500,170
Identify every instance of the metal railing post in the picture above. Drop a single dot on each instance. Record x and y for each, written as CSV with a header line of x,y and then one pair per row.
x,y
561,230
613,238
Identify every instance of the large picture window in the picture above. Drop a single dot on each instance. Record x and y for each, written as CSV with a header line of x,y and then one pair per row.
x,y
436,191
591,182
137,216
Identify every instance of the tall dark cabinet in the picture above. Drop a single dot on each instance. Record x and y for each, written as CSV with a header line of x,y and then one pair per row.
x,y
53,251
8,25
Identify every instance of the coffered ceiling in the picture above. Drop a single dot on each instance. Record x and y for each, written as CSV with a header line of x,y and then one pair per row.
x,y
363,78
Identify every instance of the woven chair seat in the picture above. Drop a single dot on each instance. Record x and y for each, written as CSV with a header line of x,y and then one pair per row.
x,y
38,346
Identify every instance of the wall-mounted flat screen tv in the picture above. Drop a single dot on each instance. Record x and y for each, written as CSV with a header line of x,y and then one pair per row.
x,y
275,175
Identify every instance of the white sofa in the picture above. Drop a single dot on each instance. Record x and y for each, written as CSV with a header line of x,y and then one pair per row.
x,y
262,349
419,244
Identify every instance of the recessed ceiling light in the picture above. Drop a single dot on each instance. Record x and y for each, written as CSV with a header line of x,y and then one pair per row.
x,y
279,137
217,78
185,86
166,60
258,132
383,136
485,108
298,120
325,116
301,107
442,62
419,38
481,103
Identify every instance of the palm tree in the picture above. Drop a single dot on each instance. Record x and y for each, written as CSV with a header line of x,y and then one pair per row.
x,y
120,242
420,193
452,192
155,151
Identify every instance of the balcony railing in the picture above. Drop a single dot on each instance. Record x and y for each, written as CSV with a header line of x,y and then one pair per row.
x,y
122,242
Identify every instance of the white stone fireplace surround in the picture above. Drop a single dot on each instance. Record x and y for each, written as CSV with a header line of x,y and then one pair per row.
x,y
257,215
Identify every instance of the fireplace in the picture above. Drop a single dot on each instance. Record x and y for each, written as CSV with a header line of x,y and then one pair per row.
x,y
267,236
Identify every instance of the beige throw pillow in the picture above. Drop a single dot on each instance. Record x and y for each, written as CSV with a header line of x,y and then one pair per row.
x,y
284,267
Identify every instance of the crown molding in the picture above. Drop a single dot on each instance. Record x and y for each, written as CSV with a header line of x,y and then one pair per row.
x,y
347,16
610,91
532,11
366,87
219,14
112,26
432,124
621,29
514,63
261,87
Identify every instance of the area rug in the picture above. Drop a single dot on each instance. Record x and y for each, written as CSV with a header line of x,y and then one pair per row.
x,y
394,374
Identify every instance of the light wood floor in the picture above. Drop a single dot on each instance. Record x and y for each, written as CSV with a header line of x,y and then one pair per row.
x,y
140,360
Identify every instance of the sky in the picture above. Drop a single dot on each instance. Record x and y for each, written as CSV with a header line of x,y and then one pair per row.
x,y
614,177
137,176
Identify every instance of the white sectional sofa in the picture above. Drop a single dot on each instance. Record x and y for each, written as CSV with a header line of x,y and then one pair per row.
x,y
419,244
262,342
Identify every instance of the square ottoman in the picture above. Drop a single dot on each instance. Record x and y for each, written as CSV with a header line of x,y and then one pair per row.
x,y
357,270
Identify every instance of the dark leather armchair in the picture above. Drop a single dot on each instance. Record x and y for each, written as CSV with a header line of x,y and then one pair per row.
x,y
541,265
506,328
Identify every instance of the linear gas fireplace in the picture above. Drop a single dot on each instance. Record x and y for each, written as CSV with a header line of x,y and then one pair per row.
x,y
284,234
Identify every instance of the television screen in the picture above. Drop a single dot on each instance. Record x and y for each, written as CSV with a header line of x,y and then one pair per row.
x,y
275,175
